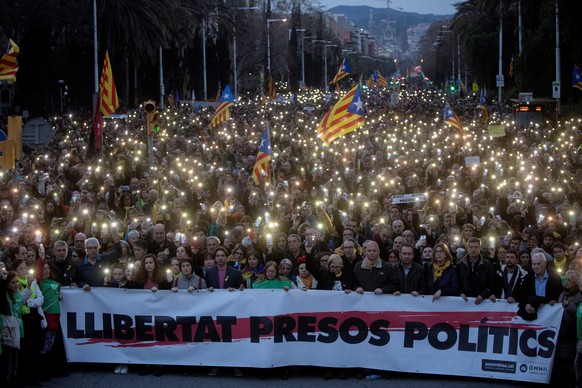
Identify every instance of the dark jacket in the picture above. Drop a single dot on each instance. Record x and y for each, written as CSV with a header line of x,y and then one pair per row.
x,y
553,289
64,273
327,280
566,345
382,276
520,286
349,266
92,274
476,283
232,279
414,281
448,282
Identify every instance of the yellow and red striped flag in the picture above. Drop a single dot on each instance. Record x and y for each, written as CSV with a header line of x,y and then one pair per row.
x,y
344,117
451,118
107,92
343,71
262,168
8,64
222,112
271,92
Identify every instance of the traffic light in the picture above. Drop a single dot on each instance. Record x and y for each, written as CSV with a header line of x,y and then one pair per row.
x,y
152,117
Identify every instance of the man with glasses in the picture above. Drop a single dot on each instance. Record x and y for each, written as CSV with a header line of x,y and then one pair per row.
x,y
408,237
28,235
350,256
79,241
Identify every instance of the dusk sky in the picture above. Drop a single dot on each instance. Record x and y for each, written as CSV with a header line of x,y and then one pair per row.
x,y
438,7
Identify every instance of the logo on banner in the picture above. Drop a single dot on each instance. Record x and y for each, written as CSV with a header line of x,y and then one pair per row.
x,y
534,369
498,366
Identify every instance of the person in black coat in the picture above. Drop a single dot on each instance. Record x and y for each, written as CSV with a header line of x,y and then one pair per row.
x,y
547,285
514,283
333,277
373,274
441,275
476,274
410,274
223,276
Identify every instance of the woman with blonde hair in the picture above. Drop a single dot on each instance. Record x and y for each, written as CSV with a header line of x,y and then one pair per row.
x,y
441,275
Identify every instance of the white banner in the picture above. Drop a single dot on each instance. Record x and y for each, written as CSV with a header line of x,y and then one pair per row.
x,y
408,198
268,328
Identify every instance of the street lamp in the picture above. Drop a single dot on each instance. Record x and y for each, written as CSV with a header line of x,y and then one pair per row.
x,y
269,21
234,51
325,63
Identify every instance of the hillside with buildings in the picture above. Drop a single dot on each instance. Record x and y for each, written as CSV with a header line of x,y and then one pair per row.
x,y
382,32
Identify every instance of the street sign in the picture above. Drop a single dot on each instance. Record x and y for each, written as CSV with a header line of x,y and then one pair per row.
x,y
556,89
499,81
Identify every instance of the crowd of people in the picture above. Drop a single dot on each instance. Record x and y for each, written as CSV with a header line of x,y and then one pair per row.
x,y
404,205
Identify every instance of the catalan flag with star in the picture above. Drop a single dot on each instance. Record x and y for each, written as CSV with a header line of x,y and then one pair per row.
x,y
451,118
376,79
484,112
343,71
262,168
222,112
8,64
344,117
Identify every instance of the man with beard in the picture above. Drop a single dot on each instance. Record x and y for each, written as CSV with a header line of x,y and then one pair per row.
x,y
514,283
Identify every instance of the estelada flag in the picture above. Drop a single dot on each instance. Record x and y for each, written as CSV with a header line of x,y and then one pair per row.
x,y
222,112
343,71
344,117
8,64
451,118
262,167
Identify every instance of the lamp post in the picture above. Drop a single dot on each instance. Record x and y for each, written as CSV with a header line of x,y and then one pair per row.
x,y
325,63
269,21
204,58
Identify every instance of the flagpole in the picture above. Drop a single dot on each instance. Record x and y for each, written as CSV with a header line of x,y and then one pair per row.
x,y
162,91
558,75
95,63
204,58
95,98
